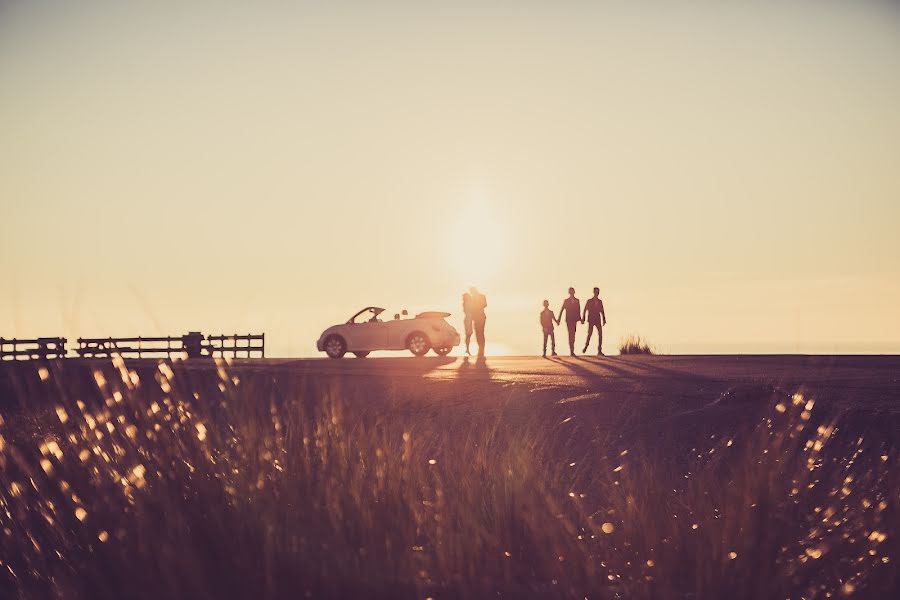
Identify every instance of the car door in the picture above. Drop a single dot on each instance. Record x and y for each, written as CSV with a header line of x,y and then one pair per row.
x,y
371,335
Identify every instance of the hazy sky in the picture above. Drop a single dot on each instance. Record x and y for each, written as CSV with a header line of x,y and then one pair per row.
x,y
727,172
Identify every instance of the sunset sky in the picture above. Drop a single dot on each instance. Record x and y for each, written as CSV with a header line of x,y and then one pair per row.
x,y
727,173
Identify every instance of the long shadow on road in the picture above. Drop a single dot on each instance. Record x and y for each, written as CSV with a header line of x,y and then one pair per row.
x,y
473,369
662,379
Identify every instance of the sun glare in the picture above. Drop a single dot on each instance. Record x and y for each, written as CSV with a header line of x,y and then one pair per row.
x,y
477,253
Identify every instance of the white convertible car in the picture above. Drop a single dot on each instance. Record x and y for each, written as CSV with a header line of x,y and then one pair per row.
x,y
365,332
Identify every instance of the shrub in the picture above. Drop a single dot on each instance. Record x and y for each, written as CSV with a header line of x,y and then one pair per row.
x,y
634,344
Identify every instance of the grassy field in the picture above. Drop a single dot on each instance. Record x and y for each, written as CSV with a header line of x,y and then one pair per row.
x,y
213,483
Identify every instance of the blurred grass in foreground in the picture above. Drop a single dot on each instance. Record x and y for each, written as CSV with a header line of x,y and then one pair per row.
x,y
199,485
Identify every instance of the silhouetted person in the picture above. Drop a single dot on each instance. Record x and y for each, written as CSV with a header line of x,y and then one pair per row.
x,y
547,321
593,310
572,307
477,304
467,319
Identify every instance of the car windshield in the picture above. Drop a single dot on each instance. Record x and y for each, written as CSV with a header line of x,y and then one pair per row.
x,y
368,314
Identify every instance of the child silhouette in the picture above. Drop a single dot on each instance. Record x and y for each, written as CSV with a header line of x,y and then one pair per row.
x,y
547,321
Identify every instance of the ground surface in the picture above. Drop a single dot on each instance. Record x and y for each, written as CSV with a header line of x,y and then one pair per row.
x,y
669,398
853,381
671,401
671,383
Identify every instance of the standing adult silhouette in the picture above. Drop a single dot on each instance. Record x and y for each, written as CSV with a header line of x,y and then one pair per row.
x,y
596,317
572,307
467,319
477,304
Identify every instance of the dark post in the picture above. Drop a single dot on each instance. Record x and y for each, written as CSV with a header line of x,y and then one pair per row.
x,y
193,344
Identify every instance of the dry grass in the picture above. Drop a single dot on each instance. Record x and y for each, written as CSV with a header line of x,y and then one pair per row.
x,y
198,485
634,344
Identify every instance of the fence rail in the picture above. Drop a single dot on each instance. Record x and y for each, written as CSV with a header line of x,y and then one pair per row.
x,y
229,345
37,348
191,345
130,347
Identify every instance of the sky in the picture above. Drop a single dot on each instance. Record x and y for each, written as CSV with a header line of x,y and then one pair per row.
x,y
727,173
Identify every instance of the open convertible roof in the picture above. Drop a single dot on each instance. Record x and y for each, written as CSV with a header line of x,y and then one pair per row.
x,y
375,310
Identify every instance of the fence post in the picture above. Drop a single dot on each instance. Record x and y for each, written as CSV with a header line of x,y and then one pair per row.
x,y
193,344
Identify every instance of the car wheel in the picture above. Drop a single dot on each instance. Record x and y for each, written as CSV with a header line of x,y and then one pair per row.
x,y
361,354
442,351
418,343
335,346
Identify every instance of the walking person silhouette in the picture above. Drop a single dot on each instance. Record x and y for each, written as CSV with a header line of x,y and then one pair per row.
x,y
596,317
572,307
467,319
477,304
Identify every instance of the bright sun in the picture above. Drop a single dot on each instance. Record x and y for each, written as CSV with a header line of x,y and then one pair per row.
x,y
478,251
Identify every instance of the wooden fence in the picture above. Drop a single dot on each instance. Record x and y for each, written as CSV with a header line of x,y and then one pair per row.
x,y
38,348
191,345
